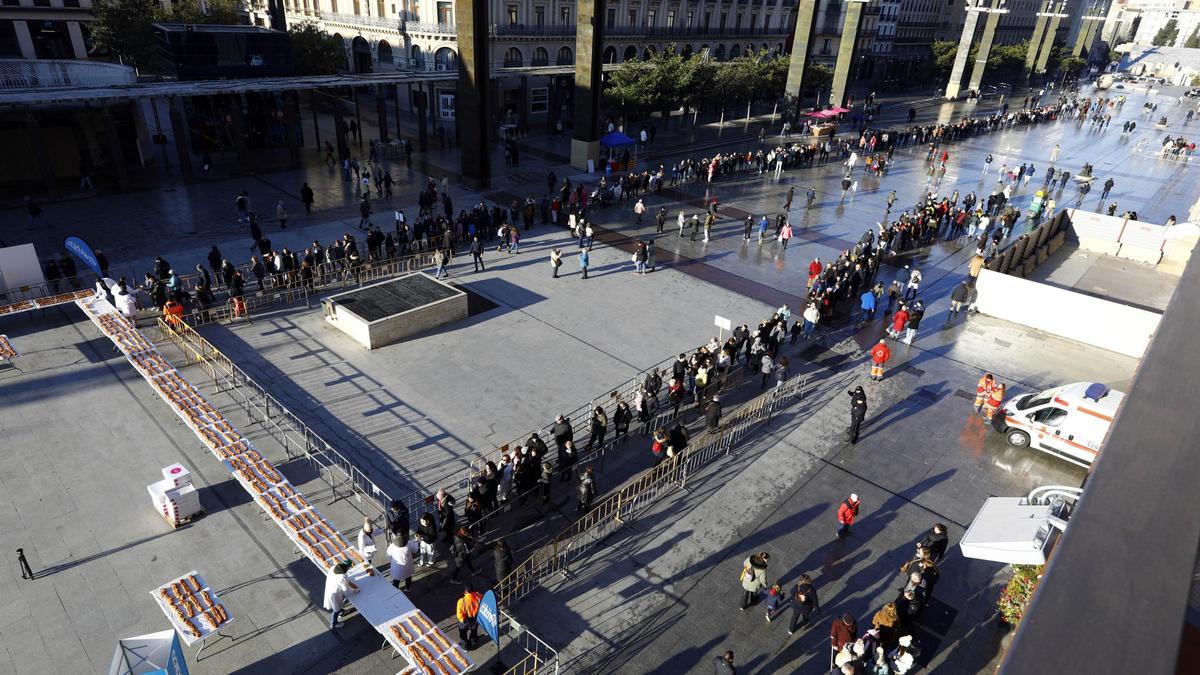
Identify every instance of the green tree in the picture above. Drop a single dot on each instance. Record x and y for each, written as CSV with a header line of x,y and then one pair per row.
x,y
629,89
1071,66
697,77
1193,40
944,52
315,52
123,27
126,27
1166,36
1006,63
217,12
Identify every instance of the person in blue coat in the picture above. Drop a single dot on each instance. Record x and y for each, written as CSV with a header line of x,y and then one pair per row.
x,y
583,262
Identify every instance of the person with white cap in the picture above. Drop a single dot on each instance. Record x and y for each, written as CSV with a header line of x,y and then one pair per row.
x,y
903,657
337,587
847,512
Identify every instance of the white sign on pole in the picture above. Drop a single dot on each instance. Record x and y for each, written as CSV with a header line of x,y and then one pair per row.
x,y
722,323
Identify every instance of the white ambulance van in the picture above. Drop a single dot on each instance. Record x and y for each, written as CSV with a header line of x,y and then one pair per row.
x,y
1069,422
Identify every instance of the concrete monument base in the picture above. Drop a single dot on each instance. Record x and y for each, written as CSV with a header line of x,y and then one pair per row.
x,y
389,311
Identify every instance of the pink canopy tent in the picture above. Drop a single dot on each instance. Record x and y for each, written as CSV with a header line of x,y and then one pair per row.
x,y
838,110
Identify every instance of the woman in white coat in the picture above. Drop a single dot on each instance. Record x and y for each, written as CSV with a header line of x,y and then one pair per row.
x,y
366,540
126,302
400,556
337,587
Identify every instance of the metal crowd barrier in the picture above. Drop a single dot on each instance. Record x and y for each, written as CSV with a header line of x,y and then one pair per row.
x,y
580,419
624,504
539,657
298,440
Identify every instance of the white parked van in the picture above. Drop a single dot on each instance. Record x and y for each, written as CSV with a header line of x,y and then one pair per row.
x,y
1069,422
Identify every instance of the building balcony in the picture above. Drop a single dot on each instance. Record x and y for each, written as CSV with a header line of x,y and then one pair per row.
x,y
45,73
521,30
359,20
659,32
428,27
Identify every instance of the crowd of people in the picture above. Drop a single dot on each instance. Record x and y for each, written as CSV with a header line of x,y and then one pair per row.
x,y
890,646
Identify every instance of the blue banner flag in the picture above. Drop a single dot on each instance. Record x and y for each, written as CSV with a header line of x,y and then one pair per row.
x,y
489,617
84,252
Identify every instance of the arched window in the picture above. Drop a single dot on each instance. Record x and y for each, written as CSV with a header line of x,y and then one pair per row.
x,y
610,54
735,51
648,54
445,59
630,54
541,57
565,57
703,52
418,57
513,58
385,56
719,54
687,52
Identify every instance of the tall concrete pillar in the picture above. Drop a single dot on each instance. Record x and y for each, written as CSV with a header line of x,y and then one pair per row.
x,y
589,46
806,16
1035,41
339,130
182,133
1048,42
291,126
37,143
846,47
954,86
381,112
1086,36
237,130
25,40
473,91
115,155
77,45
985,45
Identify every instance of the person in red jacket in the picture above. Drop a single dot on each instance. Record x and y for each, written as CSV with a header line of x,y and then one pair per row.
x,y
843,632
879,356
846,514
899,319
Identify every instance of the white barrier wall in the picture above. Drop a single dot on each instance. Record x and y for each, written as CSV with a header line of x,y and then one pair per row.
x,y
1083,318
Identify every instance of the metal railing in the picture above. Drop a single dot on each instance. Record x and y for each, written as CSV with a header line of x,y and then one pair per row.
x,y
326,277
538,656
44,73
297,439
362,20
580,419
189,281
625,503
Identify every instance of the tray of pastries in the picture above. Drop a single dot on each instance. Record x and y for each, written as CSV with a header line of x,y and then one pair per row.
x,y
63,297
15,307
325,545
258,475
7,351
151,363
191,606
426,647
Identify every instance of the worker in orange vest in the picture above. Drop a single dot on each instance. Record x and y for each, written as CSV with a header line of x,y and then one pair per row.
x,y
879,356
995,398
173,313
468,616
983,390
